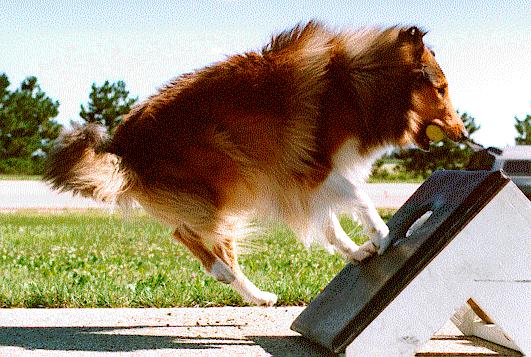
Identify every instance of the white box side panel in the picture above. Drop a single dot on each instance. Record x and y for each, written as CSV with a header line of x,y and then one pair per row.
x,y
494,246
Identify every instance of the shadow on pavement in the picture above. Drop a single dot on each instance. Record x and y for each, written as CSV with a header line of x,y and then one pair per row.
x,y
90,339
290,346
124,339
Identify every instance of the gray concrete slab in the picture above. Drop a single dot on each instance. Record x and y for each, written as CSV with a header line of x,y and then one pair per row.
x,y
217,331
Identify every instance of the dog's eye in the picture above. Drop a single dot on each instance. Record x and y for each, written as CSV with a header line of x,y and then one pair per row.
x,y
441,91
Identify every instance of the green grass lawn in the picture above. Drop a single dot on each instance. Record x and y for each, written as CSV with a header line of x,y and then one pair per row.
x,y
20,177
396,179
380,178
93,259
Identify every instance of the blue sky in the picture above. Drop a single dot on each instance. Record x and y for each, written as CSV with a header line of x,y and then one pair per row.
x,y
484,47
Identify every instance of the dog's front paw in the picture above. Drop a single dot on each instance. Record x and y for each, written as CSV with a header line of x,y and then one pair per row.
x,y
385,242
380,237
363,252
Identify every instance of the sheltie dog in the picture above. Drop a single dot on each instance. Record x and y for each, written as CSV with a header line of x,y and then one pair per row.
x,y
289,132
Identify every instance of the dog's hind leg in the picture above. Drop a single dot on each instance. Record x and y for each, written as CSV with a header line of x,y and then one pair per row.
x,y
212,264
226,252
221,263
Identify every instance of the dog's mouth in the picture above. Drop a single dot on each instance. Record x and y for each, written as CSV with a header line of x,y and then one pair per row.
x,y
455,134
422,140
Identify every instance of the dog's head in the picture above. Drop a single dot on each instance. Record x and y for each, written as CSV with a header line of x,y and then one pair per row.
x,y
430,101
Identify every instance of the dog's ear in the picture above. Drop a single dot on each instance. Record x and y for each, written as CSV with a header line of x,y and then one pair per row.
x,y
413,36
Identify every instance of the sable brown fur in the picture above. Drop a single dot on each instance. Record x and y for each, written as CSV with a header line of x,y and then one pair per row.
x,y
260,132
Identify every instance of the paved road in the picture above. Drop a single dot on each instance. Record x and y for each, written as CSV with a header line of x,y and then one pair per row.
x,y
37,195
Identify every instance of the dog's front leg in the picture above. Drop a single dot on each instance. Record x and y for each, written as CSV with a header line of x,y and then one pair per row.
x,y
373,224
351,195
343,244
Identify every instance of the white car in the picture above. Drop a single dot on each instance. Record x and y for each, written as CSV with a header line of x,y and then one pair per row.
x,y
515,161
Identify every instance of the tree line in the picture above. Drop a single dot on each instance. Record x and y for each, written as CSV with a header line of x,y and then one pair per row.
x,y
28,129
27,120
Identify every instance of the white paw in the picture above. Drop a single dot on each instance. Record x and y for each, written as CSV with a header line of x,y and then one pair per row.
x,y
385,242
363,252
262,298
251,294
380,237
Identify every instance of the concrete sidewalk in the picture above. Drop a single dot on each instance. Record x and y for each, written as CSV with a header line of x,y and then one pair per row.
x,y
216,331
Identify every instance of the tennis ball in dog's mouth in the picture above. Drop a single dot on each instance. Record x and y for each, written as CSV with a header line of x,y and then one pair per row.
x,y
435,133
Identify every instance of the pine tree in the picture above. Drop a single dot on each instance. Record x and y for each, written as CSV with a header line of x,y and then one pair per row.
x,y
523,127
27,128
107,104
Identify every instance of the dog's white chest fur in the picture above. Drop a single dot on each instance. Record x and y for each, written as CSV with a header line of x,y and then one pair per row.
x,y
349,163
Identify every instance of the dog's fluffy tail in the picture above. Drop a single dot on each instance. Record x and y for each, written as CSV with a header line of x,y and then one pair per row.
x,y
80,162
